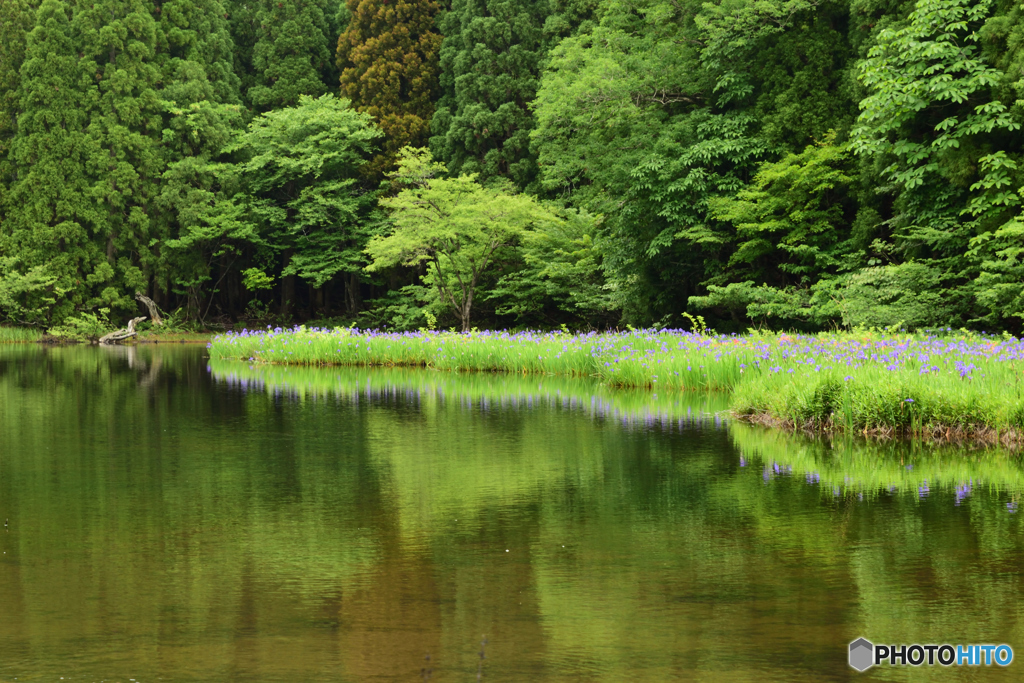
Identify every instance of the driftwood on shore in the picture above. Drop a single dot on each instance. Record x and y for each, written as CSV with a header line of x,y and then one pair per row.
x,y
122,334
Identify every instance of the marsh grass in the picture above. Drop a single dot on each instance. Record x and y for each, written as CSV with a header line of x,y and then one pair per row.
x,y
19,335
671,360
957,386
843,464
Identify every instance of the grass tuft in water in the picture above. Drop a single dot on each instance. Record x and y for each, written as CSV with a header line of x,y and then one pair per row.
x,y
19,335
951,386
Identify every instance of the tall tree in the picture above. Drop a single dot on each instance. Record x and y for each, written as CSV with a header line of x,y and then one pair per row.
x,y
491,61
796,237
302,187
667,106
16,20
933,120
52,215
291,55
22,289
244,29
454,226
201,96
196,53
119,39
388,56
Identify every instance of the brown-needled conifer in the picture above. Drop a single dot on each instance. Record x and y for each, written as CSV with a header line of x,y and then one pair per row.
x,y
388,58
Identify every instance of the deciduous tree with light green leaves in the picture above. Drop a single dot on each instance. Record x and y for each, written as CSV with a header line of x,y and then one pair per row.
x,y
930,91
455,226
932,118
561,280
793,238
302,188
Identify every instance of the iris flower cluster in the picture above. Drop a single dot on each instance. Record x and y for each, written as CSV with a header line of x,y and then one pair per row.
x,y
652,358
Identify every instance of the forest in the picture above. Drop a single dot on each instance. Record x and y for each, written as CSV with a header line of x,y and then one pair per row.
x,y
583,164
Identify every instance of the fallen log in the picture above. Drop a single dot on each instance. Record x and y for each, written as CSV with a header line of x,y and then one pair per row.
x,y
122,334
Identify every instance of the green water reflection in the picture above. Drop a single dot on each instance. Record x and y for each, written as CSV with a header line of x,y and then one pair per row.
x,y
178,521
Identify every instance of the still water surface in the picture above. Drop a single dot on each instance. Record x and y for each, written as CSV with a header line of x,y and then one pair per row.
x,y
173,520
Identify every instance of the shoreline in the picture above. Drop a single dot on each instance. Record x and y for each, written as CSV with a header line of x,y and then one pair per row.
x,y
959,388
949,434
935,434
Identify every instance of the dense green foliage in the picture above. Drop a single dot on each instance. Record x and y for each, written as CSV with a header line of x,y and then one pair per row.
x,y
454,226
781,162
300,188
291,54
490,68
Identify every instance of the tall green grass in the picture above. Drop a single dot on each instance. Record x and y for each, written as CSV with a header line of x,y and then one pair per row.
x,y
19,335
632,359
957,385
841,466
872,399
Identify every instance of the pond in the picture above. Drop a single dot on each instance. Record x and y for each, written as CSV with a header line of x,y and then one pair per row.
x,y
172,519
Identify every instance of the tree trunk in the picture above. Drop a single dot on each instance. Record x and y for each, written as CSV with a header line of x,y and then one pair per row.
x,y
318,298
467,304
352,293
154,312
287,295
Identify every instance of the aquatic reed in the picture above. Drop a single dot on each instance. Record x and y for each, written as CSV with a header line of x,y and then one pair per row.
x,y
957,385
19,335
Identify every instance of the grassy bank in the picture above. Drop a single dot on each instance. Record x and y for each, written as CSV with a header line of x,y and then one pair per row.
x,y
633,359
955,386
19,335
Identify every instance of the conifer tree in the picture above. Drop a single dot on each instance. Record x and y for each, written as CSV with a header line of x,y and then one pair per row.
x,y
244,29
119,40
291,55
490,69
16,20
52,214
202,97
388,56
195,51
